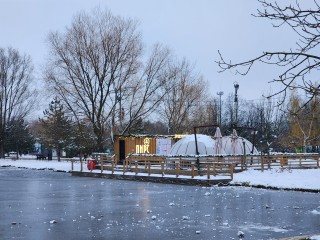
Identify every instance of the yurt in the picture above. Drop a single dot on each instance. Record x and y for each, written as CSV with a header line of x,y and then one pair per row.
x,y
235,145
187,145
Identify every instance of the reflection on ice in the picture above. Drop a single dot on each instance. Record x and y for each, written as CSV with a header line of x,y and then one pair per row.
x,y
115,209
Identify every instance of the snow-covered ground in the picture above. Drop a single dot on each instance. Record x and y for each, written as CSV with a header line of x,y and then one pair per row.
x,y
308,179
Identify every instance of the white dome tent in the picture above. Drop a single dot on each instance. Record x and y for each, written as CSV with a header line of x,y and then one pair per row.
x,y
187,145
216,145
234,145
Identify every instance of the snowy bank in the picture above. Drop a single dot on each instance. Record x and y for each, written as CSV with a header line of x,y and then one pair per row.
x,y
307,179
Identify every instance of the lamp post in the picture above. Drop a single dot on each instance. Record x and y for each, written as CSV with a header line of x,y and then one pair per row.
x,y
236,88
220,106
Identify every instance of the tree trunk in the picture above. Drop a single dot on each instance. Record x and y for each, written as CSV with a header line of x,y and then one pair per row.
x,y
58,153
1,149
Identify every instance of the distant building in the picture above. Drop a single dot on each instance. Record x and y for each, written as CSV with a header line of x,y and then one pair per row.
x,y
144,144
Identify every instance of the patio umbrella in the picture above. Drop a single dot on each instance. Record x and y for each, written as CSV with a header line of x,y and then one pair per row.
x,y
218,142
234,143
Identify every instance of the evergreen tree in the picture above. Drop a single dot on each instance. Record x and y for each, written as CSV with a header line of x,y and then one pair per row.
x,y
56,127
18,137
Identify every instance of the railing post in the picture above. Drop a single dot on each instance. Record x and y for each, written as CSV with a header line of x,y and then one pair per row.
x,y
101,163
177,169
149,167
136,166
81,167
214,169
192,170
231,170
72,165
162,168
318,161
261,160
91,165
124,165
208,170
300,162
112,166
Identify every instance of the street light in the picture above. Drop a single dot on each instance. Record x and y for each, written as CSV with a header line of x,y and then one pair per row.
x,y
236,88
220,106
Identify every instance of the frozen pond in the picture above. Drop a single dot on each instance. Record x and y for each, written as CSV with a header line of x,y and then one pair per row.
x,y
91,208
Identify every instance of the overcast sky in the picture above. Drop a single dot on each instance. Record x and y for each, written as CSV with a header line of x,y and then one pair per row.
x,y
195,29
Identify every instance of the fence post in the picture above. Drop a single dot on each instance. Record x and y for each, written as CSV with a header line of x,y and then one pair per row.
x,y
149,167
244,155
177,169
101,163
192,170
300,159
124,164
214,169
261,160
231,170
136,166
91,165
81,167
72,160
112,166
162,168
208,170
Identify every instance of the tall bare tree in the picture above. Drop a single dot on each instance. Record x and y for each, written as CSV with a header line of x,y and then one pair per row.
x,y
141,96
300,65
17,97
96,63
185,90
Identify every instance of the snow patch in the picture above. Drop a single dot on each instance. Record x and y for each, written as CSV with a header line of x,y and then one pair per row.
x,y
316,212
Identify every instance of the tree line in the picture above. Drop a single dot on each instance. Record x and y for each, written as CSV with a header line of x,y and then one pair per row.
x,y
104,81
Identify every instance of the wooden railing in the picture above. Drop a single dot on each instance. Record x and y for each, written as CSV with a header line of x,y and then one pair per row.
x,y
178,166
263,162
209,166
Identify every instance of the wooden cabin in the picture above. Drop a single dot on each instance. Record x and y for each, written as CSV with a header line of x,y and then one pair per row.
x,y
143,144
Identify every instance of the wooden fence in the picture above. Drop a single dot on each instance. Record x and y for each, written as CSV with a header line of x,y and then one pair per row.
x,y
291,161
146,164
185,166
209,166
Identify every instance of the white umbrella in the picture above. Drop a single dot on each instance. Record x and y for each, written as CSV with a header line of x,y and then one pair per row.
x,y
234,142
218,142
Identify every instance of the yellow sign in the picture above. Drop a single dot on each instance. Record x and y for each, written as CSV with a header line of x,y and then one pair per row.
x,y
143,148
179,135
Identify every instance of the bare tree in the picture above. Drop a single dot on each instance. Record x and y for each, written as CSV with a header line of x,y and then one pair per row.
x,y
184,92
16,96
267,118
142,96
89,63
301,64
